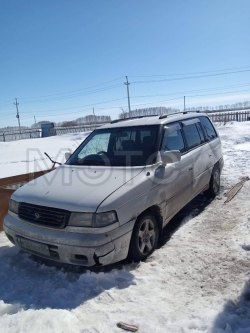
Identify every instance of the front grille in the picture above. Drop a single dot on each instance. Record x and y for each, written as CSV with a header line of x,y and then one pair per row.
x,y
53,217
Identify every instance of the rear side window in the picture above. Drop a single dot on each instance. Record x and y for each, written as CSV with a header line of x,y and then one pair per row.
x,y
192,135
200,130
208,128
173,139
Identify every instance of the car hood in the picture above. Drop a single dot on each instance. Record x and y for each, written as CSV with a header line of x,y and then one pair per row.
x,y
76,188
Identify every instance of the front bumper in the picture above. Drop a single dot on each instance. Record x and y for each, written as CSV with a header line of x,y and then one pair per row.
x,y
84,249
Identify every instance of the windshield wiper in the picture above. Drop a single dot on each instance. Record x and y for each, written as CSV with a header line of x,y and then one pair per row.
x,y
52,161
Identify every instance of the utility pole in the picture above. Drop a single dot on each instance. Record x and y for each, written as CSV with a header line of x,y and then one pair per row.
x,y
127,84
17,114
184,103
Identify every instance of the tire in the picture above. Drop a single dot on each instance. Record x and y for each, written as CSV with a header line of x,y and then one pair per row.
x,y
214,184
144,237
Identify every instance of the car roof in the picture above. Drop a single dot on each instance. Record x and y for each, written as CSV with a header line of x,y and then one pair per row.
x,y
152,120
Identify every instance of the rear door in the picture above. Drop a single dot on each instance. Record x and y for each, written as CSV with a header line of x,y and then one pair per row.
x,y
198,153
212,140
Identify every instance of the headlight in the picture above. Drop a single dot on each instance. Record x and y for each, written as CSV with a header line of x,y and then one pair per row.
x,y
104,219
81,219
13,206
92,220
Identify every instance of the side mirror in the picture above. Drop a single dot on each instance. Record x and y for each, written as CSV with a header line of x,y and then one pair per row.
x,y
169,157
67,155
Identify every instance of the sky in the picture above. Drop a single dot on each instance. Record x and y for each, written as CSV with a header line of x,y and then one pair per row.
x,y
62,58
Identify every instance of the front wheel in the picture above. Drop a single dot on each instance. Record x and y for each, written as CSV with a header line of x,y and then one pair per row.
x,y
214,184
144,237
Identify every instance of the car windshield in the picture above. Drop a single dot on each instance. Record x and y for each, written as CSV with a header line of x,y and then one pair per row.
x,y
123,146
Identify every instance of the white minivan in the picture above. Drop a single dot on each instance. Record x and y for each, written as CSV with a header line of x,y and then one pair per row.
x,y
117,191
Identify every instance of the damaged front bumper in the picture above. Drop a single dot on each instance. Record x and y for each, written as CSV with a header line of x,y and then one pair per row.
x,y
67,246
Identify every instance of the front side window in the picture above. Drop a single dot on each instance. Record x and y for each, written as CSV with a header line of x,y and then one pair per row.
x,y
172,139
192,135
123,146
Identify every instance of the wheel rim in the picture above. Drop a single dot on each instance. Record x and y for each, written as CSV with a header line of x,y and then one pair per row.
x,y
216,182
146,239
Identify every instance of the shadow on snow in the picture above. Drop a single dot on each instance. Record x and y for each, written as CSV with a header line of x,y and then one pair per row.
x,y
30,284
191,210
235,316
35,284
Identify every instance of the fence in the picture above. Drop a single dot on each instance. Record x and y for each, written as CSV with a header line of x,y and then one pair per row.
x,y
217,117
225,117
77,129
25,134
37,133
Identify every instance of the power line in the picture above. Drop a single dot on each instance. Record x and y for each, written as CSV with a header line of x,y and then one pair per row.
x,y
193,91
80,92
194,73
187,94
189,77
90,88
222,93
87,107
70,96
180,93
170,77
71,93
90,105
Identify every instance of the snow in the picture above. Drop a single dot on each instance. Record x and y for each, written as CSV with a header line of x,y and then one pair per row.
x,y
197,281
25,156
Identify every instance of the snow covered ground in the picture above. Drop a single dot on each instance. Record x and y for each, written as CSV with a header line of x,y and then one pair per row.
x,y
25,156
197,281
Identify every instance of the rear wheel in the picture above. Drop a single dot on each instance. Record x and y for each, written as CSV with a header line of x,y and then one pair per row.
x,y
214,184
144,237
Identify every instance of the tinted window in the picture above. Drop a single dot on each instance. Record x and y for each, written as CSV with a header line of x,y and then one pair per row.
x,y
208,128
144,134
173,139
192,135
122,146
200,130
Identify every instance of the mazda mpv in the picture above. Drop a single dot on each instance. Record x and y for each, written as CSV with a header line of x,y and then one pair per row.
x,y
117,191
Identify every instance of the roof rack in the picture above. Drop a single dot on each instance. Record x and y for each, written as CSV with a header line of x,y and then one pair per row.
x,y
176,113
137,117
